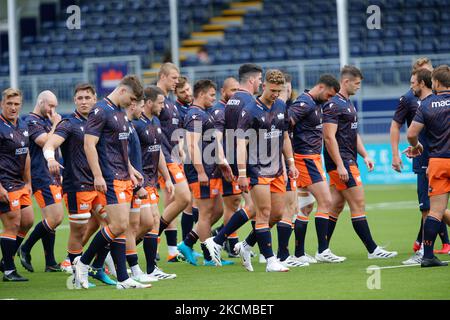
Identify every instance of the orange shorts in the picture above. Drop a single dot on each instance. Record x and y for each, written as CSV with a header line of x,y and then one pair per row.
x,y
354,178
438,176
277,184
230,188
211,191
176,173
310,169
119,191
291,185
151,199
17,200
48,195
83,201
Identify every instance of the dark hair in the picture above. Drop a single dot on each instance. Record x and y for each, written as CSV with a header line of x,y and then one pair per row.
x,y
442,74
182,80
247,70
351,72
423,75
203,85
330,81
133,82
84,86
152,93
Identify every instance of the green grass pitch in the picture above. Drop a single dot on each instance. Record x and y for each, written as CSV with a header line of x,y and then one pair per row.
x,y
393,217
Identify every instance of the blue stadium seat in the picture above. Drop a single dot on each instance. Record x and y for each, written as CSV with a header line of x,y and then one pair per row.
x,y
409,31
58,51
371,76
429,16
88,51
390,47
43,39
38,51
48,25
393,32
243,55
443,46
4,69
372,48
260,55
73,51
224,57
409,47
141,48
356,49
35,68
410,16
52,67
28,40
317,51
427,47
392,17
429,31
25,54
277,54
94,36
107,50
298,38
333,50
319,36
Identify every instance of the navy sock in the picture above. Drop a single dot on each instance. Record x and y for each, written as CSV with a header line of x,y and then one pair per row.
x,y
48,242
195,214
321,221
101,239
443,233
264,239
19,239
361,227
206,254
420,234
8,246
37,233
430,230
100,258
300,227
132,259
238,219
150,247
171,237
284,231
118,253
187,223
232,240
73,255
251,238
163,224
332,220
191,238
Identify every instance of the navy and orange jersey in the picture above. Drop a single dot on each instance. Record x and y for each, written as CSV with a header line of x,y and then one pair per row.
x,y
77,175
109,123
134,148
233,109
150,136
183,109
13,153
40,175
341,111
217,112
434,113
306,114
200,121
269,125
405,112
170,121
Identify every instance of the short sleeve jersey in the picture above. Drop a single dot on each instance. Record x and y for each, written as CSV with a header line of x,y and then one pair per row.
x,y
150,136
341,111
217,112
40,175
200,121
434,113
77,175
109,123
405,112
266,127
13,153
170,121
306,114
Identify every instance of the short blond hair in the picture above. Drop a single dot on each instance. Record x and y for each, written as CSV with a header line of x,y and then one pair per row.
x,y
165,69
421,62
10,93
275,76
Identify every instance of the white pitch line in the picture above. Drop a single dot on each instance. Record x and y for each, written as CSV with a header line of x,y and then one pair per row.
x,y
401,266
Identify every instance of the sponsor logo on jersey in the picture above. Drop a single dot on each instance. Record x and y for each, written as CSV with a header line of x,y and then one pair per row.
x,y
154,148
275,133
354,125
233,102
123,135
21,151
280,116
440,104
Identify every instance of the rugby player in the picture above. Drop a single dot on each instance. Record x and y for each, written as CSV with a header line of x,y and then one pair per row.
x,y
342,145
46,186
433,115
406,109
78,182
106,148
16,211
306,118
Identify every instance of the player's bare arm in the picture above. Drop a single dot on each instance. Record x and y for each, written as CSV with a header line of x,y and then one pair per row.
x,y
53,142
90,142
289,156
415,149
397,164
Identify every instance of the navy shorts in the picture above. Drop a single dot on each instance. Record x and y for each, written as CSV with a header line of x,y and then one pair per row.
x,y
422,191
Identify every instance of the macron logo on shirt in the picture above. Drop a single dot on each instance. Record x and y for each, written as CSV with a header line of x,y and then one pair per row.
x,y
440,104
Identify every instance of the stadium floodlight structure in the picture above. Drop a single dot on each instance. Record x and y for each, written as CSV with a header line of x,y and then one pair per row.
x,y
342,19
12,42
174,40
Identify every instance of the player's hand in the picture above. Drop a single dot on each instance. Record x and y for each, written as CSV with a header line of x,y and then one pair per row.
x,y
369,164
170,188
412,152
182,155
293,172
142,193
343,173
54,117
243,184
397,163
53,167
4,195
306,210
227,173
29,188
100,184
203,179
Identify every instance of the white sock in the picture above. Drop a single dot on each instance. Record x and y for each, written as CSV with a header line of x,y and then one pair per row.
x,y
172,250
271,260
136,270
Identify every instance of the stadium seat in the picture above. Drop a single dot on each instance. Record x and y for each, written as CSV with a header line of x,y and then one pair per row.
x,y
409,47
52,67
